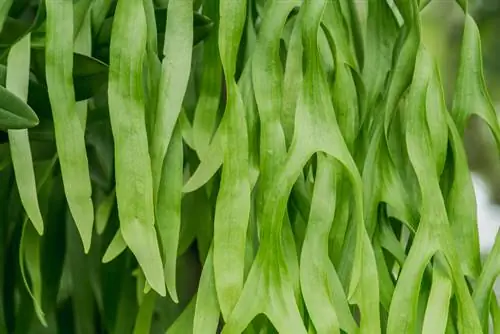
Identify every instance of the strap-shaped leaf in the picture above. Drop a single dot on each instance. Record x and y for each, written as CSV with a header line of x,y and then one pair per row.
x,y
68,128
207,311
205,114
482,291
292,80
30,249
460,199
134,181
233,200
29,260
434,233
270,274
323,293
436,315
168,210
17,81
381,36
145,314
246,87
103,211
115,247
471,96
173,82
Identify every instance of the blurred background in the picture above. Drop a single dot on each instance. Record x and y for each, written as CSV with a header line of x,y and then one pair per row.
x,y
442,23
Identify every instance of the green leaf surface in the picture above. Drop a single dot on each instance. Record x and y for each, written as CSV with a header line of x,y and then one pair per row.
x,y
69,132
134,181
14,113
17,81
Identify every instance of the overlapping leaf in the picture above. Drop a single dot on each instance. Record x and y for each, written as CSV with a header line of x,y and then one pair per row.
x,y
277,166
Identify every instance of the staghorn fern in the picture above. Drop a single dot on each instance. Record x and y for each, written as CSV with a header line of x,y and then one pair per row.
x,y
237,166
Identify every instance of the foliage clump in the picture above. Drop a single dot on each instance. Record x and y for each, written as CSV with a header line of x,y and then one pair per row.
x,y
237,166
